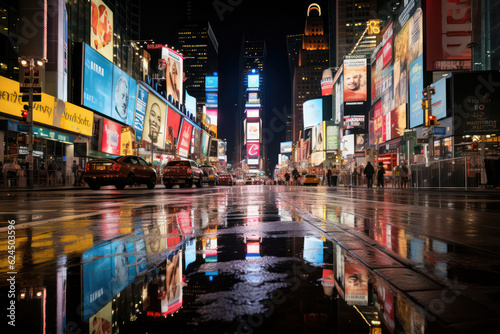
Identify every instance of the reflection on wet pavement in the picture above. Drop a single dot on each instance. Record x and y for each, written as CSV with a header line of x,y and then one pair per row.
x,y
249,260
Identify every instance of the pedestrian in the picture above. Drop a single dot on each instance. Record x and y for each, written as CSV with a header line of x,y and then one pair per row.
x,y
369,171
329,176
287,179
380,175
355,175
74,169
397,176
335,176
404,175
295,176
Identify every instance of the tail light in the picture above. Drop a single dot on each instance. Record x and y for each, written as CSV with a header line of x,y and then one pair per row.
x,y
87,167
116,167
188,170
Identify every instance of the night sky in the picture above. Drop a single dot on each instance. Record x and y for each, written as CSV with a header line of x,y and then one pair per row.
x,y
256,20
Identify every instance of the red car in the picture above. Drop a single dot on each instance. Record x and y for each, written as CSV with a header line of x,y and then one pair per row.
x,y
226,179
185,173
121,171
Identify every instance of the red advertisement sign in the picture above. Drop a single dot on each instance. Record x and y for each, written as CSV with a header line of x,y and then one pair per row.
x,y
449,31
173,123
185,139
111,137
386,51
253,149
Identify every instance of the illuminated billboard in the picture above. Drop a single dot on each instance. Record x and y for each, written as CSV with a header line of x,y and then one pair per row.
x,y
127,146
205,141
286,147
124,93
253,131
212,100
327,83
140,111
356,284
361,143
317,138
173,124
332,137
253,149
190,105
253,98
439,99
253,81
97,81
110,140
185,139
213,115
253,113
101,32
355,79
347,145
222,149
211,83
173,73
154,124
398,121
354,122
312,112
416,88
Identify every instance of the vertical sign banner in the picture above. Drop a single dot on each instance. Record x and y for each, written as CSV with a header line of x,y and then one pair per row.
x,y
449,31
253,132
140,111
101,32
317,138
332,137
416,87
355,79
124,90
327,83
387,90
111,137
173,125
439,99
97,81
398,121
401,65
173,73
205,141
154,124
185,139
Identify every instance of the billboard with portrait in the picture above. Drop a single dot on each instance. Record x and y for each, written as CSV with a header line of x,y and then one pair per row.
x,y
101,28
124,93
416,87
317,138
312,112
355,79
253,131
185,139
173,125
154,124
173,73
140,111
361,143
97,81
110,140
356,283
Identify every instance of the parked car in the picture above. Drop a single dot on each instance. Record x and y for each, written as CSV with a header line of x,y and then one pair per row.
x,y
185,173
120,172
310,179
248,181
226,179
210,175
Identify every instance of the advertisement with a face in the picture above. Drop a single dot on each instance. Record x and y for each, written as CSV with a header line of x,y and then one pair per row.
x,y
347,145
102,320
122,273
253,81
317,138
416,87
124,91
361,143
398,121
253,132
222,149
286,147
173,125
111,137
185,139
332,137
140,111
173,73
173,298
154,124
439,99
97,81
253,149
101,32
355,79
449,33
312,112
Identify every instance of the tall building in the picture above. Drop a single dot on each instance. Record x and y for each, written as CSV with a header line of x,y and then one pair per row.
x,y
293,45
252,57
313,59
200,49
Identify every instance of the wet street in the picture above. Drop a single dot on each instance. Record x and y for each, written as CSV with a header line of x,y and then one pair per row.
x,y
250,259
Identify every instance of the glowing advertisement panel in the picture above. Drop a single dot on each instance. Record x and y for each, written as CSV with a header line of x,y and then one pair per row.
x,y
212,100
355,80
312,112
253,161
97,81
416,87
190,105
387,90
253,98
173,125
96,279
154,124
339,98
101,32
205,141
253,113
185,139
356,284
111,137
253,149
211,83
327,83
213,115
124,94
173,73
439,99
127,146
317,138
286,147
173,297
354,122
253,132
140,111
347,145
332,137
398,121
313,250
253,81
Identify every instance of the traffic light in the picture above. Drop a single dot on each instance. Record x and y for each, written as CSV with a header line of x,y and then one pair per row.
x,y
433,120
24,113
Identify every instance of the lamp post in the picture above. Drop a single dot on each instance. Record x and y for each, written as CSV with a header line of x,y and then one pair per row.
x,y
30,85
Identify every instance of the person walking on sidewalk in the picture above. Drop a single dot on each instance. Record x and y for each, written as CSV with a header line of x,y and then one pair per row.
x,y
380,175
329,176
369,171
335,176
404,176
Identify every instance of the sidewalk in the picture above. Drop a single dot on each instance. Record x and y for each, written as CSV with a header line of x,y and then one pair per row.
x,y
41,188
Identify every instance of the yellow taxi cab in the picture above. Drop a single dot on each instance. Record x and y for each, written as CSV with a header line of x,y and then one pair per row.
x,y
310,179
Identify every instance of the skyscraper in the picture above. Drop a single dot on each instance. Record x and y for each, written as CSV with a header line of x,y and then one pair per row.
x,y
313,59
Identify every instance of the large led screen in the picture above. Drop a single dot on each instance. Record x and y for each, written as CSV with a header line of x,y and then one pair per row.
x,y
173,124
355,80
140,111
97,81
253,81
185,139
211,83
439,99
111,137
332,137
154,124
398,121
212,100
101,32
123,102
317,138
286,147
191,105
416,87
173,73
312,112
253,149
205,141
253,113
253,131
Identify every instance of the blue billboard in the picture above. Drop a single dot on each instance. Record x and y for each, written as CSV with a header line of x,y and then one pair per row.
x,y
97,81
212,100
312,112
439,99
211,83
140,111
416,87
190,104
123,102
253,81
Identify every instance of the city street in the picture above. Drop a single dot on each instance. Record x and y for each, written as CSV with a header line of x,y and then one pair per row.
x,y
251,259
